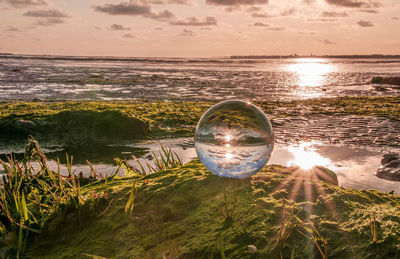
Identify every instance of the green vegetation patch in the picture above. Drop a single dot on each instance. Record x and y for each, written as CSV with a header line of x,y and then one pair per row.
x,y
189,213
126,120
184,211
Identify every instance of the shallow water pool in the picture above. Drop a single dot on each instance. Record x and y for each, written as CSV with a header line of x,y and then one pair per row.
x,y
354,166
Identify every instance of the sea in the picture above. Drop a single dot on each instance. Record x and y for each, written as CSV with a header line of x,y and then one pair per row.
x,y
24,77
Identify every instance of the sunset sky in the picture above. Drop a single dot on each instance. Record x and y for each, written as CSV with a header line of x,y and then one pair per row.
x,y
199,28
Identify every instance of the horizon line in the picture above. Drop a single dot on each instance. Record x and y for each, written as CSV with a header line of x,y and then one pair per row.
x,y
246,56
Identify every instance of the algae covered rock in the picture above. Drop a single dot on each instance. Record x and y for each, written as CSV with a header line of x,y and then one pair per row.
x,y
386,80
76,128
187,212
390,168
80,127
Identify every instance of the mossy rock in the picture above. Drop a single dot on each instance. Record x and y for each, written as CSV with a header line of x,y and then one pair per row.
x,y
77,128
108,126
189,213
386,80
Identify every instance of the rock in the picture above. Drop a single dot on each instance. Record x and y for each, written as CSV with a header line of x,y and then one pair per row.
x,y
17,129
386,80
100,127
390,168
389,157
83,128
252,249
25,124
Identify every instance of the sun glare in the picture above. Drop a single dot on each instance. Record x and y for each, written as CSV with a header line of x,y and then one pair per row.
x,y
228,138
305,156
311,72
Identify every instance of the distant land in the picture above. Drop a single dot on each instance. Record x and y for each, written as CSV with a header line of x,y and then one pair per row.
x,y
312,56
176,59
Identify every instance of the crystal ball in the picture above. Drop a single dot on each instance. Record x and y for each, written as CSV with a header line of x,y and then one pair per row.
x,y
234,139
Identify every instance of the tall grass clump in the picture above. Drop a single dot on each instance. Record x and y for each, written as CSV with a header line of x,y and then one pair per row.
x,y
30,197
164,159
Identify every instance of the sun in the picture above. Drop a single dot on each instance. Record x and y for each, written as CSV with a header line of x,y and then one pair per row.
x,y
228,138
305,156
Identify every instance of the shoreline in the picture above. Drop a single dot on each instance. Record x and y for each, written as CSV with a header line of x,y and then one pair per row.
x,y
171,209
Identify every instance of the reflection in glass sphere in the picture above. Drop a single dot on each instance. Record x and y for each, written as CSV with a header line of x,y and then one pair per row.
x,y
234,139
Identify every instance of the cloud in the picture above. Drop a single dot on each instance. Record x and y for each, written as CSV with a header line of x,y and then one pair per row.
x,y
327,42
46,13
13,29
47,17
353,3
368,11
162,16
277,28
180,2
187,33
162,2
261,15
49,21
230,9
124,8
268,26
258,12
288,12
321,20
25,3
260,24
119,27
307,32
236,2
193,21
334,14
363,23
129,36
134,9
253,9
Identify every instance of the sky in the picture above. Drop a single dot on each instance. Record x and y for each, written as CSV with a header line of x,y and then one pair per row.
x,y
199,28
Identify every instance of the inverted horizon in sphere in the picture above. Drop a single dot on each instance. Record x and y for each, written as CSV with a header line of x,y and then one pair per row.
x,y
234,139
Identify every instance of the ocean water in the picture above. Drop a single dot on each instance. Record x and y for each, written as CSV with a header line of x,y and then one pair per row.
x,y
83,78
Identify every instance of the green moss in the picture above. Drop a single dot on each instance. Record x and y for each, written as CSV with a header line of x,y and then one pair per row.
x,y
154,119
195,214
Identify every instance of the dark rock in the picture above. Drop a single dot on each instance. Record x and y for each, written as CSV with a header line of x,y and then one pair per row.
x,y
100,127
25,124
389,157
380,88
386,80
390,168
76,128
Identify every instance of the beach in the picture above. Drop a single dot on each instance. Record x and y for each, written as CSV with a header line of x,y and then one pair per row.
x,y
98,109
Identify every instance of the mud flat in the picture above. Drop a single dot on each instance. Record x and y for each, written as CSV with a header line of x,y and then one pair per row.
x,y
184,211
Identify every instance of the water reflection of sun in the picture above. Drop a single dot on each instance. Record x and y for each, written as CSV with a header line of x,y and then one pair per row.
x,y
228,137
311,72
308,173
304,156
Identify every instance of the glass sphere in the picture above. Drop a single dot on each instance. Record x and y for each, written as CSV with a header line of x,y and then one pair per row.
x,y
234,139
